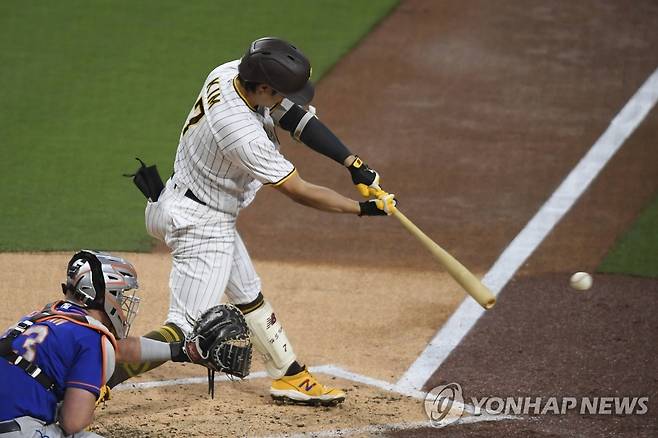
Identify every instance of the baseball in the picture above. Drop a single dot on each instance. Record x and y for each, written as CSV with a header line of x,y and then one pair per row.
x,y
581,281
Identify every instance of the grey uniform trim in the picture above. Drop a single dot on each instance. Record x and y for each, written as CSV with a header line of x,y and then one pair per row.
x,y
280,110
301,125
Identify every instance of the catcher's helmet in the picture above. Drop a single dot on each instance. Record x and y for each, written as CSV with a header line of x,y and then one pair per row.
x,y
280,65
99,281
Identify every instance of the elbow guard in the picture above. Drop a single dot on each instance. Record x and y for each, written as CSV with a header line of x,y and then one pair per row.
x,y
295,120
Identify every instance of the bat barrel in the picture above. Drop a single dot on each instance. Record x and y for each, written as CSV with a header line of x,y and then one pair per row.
x,y
463,276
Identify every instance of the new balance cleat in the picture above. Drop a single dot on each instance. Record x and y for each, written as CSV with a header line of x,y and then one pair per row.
x,y
303,388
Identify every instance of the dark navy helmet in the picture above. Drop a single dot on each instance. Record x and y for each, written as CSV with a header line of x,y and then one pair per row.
x,y
280,65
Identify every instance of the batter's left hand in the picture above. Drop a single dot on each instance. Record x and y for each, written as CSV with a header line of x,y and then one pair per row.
x,y
382,206
365,179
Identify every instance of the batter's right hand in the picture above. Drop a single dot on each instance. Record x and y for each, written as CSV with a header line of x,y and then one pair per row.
x,y
365,179
379,207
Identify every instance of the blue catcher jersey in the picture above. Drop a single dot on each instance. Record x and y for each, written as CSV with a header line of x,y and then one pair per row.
x,y
73,354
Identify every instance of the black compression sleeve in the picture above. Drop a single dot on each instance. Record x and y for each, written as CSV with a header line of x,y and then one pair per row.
x,y
319,138
315,135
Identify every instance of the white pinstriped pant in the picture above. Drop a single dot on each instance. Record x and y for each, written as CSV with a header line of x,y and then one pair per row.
x,y
35,428
208,256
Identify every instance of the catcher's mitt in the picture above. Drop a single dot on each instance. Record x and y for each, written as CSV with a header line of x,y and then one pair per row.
x,y
220,341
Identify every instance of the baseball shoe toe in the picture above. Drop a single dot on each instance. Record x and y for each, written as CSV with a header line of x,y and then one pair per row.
x,y
303,388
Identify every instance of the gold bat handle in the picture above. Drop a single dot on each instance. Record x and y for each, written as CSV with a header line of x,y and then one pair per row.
x,y
463,276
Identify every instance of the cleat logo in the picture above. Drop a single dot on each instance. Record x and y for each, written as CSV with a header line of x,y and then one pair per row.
x,y
271,321
306,385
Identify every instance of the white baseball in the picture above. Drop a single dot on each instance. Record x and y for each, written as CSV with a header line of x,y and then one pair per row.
x,y
580,281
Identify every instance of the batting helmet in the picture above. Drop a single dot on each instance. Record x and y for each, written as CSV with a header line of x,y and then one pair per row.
x,y
100,281
280,65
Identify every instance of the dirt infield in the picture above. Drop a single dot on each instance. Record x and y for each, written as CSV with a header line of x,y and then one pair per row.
x,y
308,298
473,114
357,340
546,339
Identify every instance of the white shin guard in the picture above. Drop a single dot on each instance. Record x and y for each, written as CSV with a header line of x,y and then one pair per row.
x,y
269,338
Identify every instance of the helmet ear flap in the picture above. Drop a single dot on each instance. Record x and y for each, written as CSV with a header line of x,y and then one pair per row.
x,y
97,279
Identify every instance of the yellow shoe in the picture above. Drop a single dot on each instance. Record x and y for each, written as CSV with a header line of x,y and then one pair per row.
x,y
303,388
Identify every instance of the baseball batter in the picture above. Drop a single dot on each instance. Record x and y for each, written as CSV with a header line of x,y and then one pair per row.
x,y
228,150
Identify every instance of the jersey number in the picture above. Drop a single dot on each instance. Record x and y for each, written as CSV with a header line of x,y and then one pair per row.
x,y
40,332
197,114
214,93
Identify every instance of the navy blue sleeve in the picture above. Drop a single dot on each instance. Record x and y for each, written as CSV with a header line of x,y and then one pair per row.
x,y
88,370
314,134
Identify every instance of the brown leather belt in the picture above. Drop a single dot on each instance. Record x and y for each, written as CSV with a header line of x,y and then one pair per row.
x,y
189,194
192,196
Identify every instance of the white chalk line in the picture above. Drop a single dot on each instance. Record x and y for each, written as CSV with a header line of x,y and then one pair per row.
x,y
376,429
184,381
342,373
330,370
336,371
525,243
219,377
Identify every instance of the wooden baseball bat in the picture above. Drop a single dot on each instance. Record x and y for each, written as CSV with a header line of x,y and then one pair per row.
x,y
463,276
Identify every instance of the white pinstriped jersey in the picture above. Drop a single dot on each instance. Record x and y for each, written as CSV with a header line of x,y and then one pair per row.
x,y
227,149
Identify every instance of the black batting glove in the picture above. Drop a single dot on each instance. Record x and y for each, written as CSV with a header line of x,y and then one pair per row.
x,y
365,179
379,207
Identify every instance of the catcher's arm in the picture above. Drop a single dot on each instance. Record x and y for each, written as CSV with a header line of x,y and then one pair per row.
x,y
77,410
140,350
219,341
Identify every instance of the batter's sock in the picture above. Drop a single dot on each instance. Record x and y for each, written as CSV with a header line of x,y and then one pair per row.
x,y
167,333
253,305
295,368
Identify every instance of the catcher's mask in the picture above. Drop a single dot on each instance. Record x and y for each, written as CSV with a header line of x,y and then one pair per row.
x,y
100,281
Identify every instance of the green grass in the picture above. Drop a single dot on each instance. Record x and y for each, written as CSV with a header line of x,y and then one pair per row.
x,y
636,253
89,85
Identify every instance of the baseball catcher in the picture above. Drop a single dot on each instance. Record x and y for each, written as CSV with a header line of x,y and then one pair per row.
x,y
54,363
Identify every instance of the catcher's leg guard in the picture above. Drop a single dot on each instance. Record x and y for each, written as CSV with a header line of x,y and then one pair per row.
x,y
268,336
124,371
